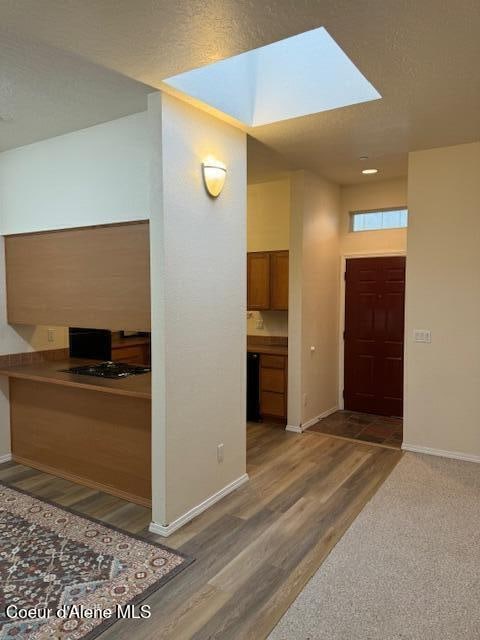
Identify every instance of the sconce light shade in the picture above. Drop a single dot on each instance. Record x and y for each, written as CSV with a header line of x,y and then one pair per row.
x,y
214,173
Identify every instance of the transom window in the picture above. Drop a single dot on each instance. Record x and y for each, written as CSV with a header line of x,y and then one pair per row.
x,y
378,220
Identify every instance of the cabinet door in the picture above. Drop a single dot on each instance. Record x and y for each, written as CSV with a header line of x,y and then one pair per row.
x,y
273,387
258,280
96,277
279,280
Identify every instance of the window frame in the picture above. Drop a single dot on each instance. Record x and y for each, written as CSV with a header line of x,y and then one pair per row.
x,y
377,210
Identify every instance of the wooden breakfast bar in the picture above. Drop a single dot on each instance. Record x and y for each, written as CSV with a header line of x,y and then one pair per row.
x,y
94,431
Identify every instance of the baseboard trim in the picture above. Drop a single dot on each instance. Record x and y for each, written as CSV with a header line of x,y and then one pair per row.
x,y
293,428
321,416
306,425
5,458
442,453
166,530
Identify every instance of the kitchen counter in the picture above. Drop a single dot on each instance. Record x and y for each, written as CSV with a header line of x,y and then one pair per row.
x,y
271,350
269,345
138,386
89,430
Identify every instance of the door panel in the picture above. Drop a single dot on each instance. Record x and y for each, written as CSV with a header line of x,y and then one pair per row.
x,y
374,335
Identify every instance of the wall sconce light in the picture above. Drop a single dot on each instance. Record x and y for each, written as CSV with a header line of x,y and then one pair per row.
x,y
214,173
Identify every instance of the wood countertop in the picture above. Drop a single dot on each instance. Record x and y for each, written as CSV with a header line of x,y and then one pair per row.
x,y
271,350
139,386
269,345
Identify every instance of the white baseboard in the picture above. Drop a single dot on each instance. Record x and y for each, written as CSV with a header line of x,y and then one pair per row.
x,y
5,458
293,428
313,421
310,423
455,455
166,530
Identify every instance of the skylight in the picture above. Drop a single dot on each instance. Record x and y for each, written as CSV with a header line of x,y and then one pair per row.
x,y
298,76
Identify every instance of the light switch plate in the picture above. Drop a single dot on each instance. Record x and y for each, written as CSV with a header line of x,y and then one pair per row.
x,y
422,335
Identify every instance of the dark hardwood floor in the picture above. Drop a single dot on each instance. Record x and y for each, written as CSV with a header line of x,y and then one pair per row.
x,y
256,549
365,427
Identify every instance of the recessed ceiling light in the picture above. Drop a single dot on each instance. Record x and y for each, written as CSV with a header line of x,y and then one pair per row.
x,y
369,171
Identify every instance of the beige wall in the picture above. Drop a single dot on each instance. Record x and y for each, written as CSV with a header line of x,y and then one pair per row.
x,y
268,229
267,323
268,215
295,305
37,337
374,194
198,249
314,299
442,409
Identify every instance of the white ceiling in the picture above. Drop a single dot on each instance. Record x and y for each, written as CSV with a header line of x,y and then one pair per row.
x,y
66,65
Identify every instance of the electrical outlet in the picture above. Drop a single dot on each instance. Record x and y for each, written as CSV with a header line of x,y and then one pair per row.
x,y
259,324
51,335
422,335
220,452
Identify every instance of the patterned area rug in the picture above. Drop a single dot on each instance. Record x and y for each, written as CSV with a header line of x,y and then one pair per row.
x,y
68,577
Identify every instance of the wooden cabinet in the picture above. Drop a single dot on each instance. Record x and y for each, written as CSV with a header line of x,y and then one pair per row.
x,y
96,277
273,387
258,281
279,280
267,280
134,354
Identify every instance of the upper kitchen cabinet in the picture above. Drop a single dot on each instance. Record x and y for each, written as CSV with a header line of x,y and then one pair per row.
x,y
258,280
96,277
267,280
279,280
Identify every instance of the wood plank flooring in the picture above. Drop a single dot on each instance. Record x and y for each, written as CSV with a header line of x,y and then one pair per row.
x,y
256,549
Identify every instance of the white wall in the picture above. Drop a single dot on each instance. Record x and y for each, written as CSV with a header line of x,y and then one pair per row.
x,y
314,298
94,176
198,248
373,194
442,402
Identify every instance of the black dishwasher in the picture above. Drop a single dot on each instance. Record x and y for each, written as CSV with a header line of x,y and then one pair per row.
x,y
253,387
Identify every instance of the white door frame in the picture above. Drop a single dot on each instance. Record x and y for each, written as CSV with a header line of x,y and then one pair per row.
x,y
341,347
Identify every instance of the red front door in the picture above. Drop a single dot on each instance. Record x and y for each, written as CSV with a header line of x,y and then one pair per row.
x,y
374,335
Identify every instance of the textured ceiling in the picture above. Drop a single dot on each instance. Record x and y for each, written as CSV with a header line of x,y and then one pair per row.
x,y
65,65
45,92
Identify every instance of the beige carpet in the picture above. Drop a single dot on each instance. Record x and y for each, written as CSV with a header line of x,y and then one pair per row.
x,y
409,566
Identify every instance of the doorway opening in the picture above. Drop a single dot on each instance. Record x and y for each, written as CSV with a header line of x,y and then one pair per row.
x,y
373,352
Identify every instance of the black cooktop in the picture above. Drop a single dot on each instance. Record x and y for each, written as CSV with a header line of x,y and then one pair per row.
x,y
108,370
